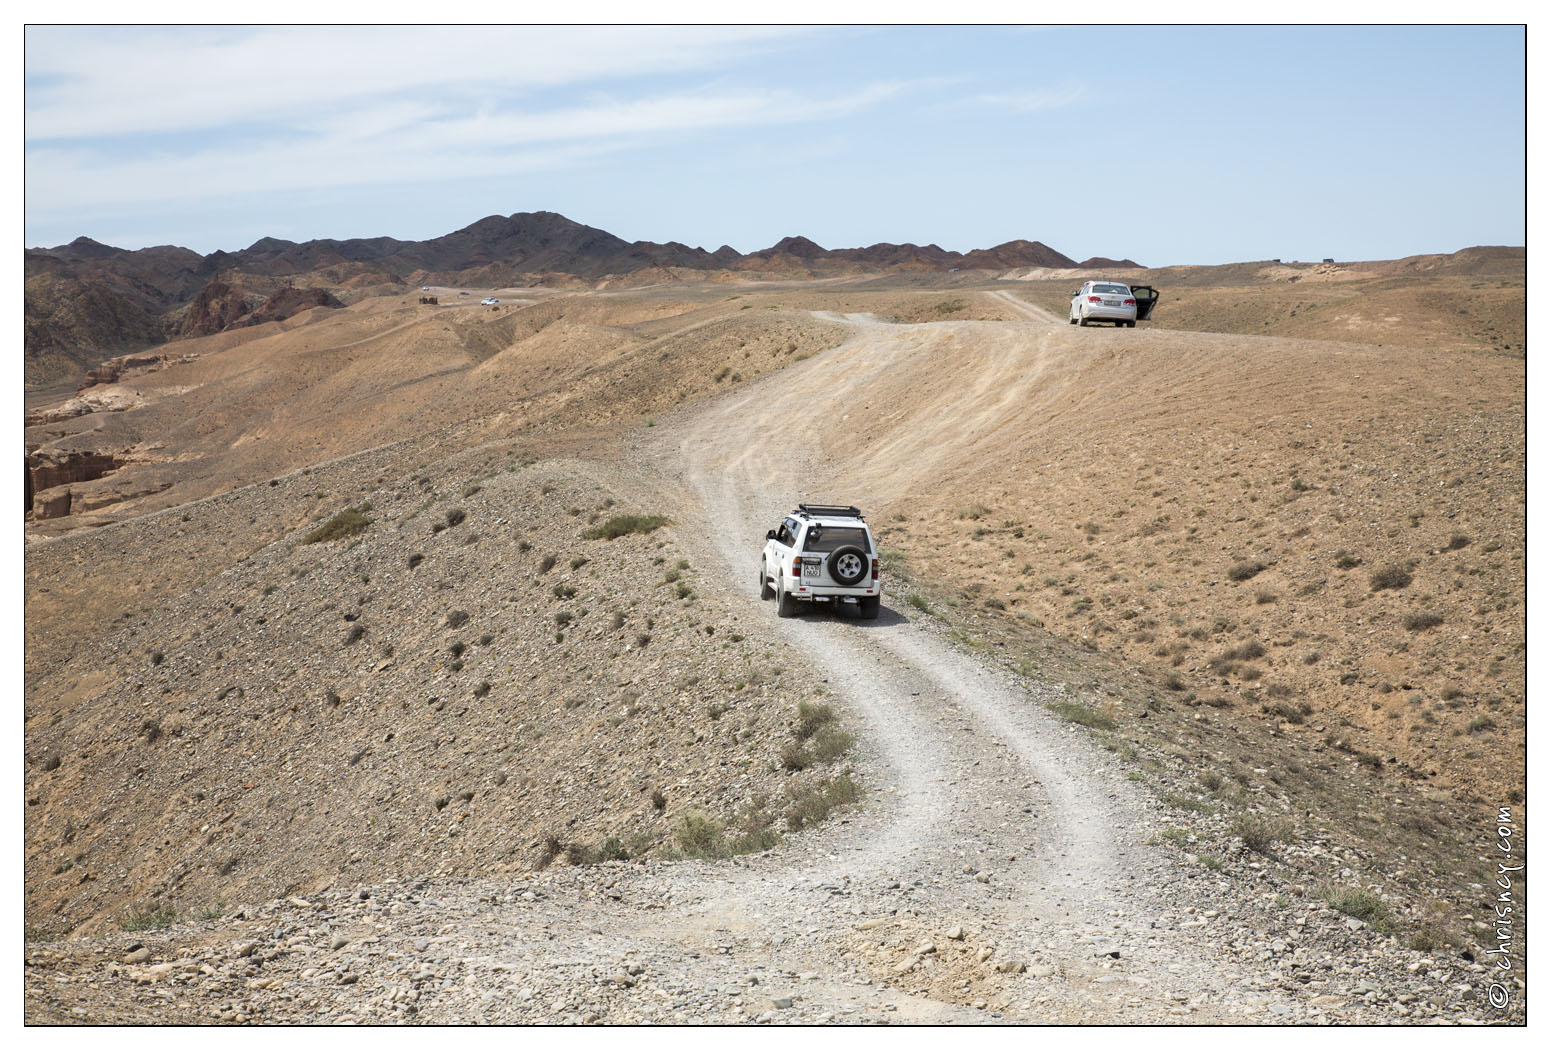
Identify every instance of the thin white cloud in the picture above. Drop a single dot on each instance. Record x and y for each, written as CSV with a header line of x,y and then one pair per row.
x,y
1029,101
383,142
86,82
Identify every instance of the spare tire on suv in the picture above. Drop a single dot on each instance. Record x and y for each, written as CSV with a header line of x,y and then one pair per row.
x,y
847,565
821,554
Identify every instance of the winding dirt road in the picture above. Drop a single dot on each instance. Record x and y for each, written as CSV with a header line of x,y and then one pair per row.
x,y
973,777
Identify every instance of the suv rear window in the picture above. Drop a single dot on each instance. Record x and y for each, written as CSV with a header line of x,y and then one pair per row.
x,y
829,538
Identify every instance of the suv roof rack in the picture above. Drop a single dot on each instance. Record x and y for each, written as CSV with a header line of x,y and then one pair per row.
x,y
828,511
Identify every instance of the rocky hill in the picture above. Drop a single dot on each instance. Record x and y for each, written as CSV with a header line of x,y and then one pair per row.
x,y
86,301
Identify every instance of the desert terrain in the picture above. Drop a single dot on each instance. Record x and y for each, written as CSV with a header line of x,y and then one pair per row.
x,y
400,661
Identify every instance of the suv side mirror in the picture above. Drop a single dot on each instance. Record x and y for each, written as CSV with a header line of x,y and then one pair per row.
x,y
770,534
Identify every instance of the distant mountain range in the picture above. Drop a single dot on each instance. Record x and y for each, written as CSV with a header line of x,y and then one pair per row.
x,y
535,243
87,300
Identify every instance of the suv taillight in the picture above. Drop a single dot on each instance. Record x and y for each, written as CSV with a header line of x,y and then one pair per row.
x,y
875,569
796,565
1095,299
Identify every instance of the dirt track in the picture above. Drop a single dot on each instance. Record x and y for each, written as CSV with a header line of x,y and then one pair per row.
x,y
974,775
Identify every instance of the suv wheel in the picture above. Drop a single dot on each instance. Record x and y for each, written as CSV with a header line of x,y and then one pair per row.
x,y
765,592
868,607
848,565
786,606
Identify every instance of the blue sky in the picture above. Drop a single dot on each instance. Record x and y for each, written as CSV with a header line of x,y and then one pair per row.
x,y
1168,145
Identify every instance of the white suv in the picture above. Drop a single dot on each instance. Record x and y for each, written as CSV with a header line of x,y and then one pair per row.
x,y
823,554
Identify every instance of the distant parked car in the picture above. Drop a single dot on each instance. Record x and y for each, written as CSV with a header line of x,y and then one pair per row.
x,y
489,301
1103,301
425,288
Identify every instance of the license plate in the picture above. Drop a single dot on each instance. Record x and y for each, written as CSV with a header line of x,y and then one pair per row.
x,y
1112,302
811,569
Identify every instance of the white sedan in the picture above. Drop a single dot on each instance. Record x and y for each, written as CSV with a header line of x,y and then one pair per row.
x,y
1103,301
489,301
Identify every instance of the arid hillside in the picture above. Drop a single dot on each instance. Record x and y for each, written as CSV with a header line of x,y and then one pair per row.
x,y
463,675
1278,561
1473,299
200,416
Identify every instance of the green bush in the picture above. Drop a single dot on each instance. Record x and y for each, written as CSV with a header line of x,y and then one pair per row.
x,y
1359,903
1260,834
622,525
148,917
698,836
811,718
348,522
810,806
1081,713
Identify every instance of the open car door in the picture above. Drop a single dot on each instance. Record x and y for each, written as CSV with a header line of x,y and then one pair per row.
x,y
1146,299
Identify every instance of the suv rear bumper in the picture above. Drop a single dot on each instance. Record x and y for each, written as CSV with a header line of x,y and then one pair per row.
x,y
800,593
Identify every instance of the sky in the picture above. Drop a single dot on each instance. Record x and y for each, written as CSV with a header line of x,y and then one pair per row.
x,y
1164,145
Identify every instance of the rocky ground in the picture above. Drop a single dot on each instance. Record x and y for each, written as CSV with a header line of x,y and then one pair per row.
x,y
1002,869
440,768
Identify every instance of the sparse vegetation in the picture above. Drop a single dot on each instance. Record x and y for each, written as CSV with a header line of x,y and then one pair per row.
x,y
1361,904
148,916
623,525
1421,620
348,522
1245,570
819,738
1076,712
698,836
812,805
1261,834
1391,578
